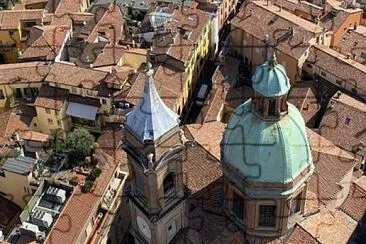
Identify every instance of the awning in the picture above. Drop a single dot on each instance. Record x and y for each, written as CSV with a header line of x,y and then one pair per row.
x,y
82,111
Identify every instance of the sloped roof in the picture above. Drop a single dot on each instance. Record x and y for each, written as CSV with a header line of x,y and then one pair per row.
x,y
151,118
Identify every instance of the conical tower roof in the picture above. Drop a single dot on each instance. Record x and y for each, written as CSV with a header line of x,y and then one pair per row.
x,y
151,118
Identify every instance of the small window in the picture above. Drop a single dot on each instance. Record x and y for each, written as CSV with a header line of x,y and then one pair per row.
x,y
347,121
50,121
296,204
35,124
2,94
104,102
169,186
309,66
267,215
323,73
2,173
59,123
238,205
139,184
48,110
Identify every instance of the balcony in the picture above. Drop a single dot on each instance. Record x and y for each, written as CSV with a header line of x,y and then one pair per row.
x,y
114,189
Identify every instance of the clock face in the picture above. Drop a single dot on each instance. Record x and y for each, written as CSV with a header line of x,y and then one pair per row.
x,y
143,227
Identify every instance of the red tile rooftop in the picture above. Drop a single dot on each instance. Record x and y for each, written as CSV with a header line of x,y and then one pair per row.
x,y
71,223
30,72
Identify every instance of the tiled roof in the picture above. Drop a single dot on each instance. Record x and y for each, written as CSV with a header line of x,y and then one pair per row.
x,y
338,65
23,72
332,22
303,96
213,106
353,43
51,97
47,46
111,25
63,10
175,44
110,55
300,235
71,222
258,19
329,226
209,136
238,95
10,19
331,165
344,123
63,73
20,120
81,17
35,136
355,204
303,6
100,54
90,54
168,81
200,168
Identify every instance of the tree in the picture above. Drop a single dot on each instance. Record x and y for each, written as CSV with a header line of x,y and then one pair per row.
x,y
6,4
80,143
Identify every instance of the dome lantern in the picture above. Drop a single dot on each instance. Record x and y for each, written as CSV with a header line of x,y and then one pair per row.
x,y
271,86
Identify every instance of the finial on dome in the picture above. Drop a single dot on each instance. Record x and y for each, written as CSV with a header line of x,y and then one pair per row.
x,y
273,59
148,69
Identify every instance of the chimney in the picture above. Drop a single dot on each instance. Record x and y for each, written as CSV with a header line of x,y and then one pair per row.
x,y
280,9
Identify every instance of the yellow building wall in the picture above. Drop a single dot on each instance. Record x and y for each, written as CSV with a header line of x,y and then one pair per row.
x,y
9,90
133,60
6,36
44,126
17,188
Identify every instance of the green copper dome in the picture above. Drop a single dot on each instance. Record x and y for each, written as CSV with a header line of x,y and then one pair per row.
x,y
266,151
270,79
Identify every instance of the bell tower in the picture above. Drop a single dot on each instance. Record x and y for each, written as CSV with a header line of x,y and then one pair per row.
x,y
154,144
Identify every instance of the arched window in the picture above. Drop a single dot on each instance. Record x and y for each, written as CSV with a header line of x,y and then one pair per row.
x,y
169,186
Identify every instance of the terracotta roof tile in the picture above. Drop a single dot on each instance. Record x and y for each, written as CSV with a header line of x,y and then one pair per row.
x,y
71,222
329,226
174,43
35,136
303,96
355,204
353,43
338,65
300,235
303,6
51,97
111,25
269,20
20,120
347,117
209,135
168,82
63,10
71,75
331,165
10,19
200,168
47,46
30,72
